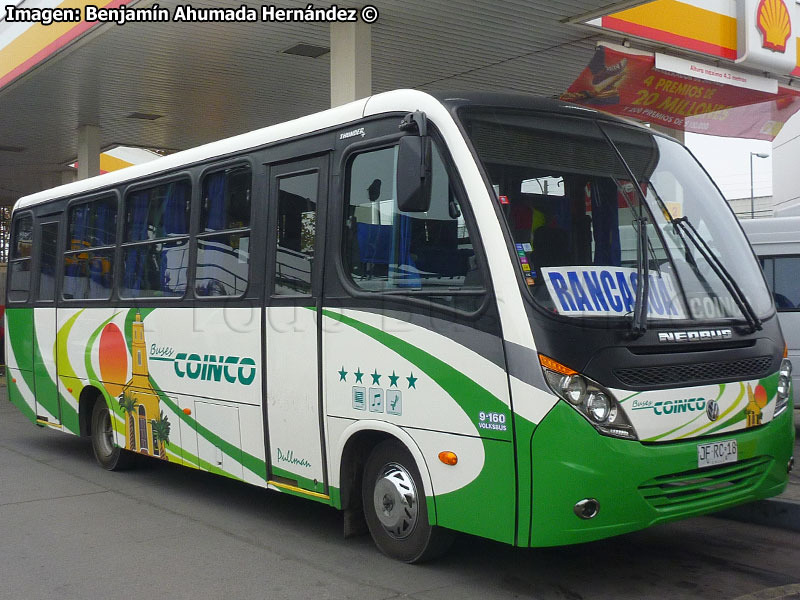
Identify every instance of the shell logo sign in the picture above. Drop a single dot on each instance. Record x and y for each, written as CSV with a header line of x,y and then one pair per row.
x,y
774,23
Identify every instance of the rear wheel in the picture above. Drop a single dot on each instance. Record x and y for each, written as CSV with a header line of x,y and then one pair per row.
x,y
109,455
395,507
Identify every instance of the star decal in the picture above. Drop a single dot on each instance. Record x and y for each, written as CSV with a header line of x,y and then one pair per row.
x,y
412,381
358,375
342,374
393,379
376,379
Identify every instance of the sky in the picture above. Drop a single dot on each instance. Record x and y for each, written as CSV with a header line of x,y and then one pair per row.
x,y
727,160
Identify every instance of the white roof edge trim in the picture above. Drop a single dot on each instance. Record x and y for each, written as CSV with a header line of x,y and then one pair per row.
x,y
395,100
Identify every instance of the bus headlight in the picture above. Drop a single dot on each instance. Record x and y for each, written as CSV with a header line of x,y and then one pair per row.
x,y
784,386
595,403
599,407
573,388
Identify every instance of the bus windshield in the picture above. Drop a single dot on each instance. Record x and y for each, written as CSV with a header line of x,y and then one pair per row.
x,y
568,191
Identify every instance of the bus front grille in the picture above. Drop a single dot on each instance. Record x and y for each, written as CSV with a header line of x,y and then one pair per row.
x,y
679,490
747,368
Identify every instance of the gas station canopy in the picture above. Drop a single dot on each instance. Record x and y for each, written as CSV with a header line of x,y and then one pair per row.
x,y
171,85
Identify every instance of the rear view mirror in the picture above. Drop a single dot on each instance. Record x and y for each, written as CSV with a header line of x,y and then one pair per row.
x,y
414,173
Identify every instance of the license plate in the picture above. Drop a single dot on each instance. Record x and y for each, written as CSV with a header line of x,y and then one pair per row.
x,y
717,453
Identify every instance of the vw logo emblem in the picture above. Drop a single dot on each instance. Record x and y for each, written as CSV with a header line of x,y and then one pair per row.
x,y
712,410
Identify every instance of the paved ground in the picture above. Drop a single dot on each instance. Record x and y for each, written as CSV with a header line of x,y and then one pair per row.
x,y
782,511
69,529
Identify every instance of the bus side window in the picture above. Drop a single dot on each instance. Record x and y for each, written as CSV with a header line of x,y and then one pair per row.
x,y
388,250
155,249
223,242
89,257
297,224
47,262
19,282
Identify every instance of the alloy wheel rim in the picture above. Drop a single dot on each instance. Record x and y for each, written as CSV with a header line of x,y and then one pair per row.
x,y
395,501
106,437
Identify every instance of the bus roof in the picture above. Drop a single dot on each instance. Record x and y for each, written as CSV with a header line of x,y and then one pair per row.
x,y
398,100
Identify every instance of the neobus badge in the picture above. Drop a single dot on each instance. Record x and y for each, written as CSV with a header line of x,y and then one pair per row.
x,y
699,335
609,291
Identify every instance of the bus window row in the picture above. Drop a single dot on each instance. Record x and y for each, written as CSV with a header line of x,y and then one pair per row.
x,y
147,254
154,249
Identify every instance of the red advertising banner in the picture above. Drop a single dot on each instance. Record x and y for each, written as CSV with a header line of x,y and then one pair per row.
x,y
629,85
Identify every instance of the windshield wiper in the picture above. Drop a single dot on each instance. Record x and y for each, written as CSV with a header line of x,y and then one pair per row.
x,y
639,325
716,265
720,270
639,321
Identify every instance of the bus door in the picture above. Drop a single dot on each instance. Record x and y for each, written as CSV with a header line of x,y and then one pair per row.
x,y
45,376
298,190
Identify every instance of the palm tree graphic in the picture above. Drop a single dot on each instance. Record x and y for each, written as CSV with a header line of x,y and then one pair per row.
x,y
128,405
161,429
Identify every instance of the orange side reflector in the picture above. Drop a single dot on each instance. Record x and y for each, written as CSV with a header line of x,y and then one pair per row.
x,y
13,380
187,411
556,366
448,457
785,351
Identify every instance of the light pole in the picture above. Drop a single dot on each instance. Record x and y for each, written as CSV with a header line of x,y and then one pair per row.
x,y
752,200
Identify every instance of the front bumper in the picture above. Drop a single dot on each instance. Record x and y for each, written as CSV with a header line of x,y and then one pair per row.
x,y
638,485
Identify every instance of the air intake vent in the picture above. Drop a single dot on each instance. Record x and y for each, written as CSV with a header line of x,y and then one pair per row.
x,y
748,368
725,482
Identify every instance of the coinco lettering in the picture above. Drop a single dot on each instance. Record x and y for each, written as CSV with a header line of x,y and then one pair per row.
x,y
209,367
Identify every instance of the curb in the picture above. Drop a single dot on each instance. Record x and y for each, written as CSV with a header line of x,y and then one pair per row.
x,y
775,512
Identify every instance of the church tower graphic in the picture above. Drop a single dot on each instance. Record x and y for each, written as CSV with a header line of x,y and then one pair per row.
x,y
147,428
757,400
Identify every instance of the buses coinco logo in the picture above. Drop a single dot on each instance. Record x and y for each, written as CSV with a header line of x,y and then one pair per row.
x,y
210,367
774,23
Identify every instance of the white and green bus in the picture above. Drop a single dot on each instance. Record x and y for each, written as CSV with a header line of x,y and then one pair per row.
x,y
491,314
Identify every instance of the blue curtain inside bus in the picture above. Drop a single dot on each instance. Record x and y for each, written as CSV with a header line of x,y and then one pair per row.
x,y
214,221
176,222
215,217
137,230
99,265
73,267
605,222
405,272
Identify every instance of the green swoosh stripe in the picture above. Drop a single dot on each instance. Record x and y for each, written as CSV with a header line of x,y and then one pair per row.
x,y
466,508
47,392
15,396
740,416
729,410
64,366
19,330
471,396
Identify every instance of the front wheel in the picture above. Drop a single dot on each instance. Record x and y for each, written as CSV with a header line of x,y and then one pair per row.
x,y
395,507
109,455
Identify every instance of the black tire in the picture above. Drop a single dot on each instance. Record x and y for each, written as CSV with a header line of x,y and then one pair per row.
x,y
395,507
108,455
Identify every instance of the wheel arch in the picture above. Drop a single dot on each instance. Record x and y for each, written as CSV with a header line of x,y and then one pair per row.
x,y
88,397
351,452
